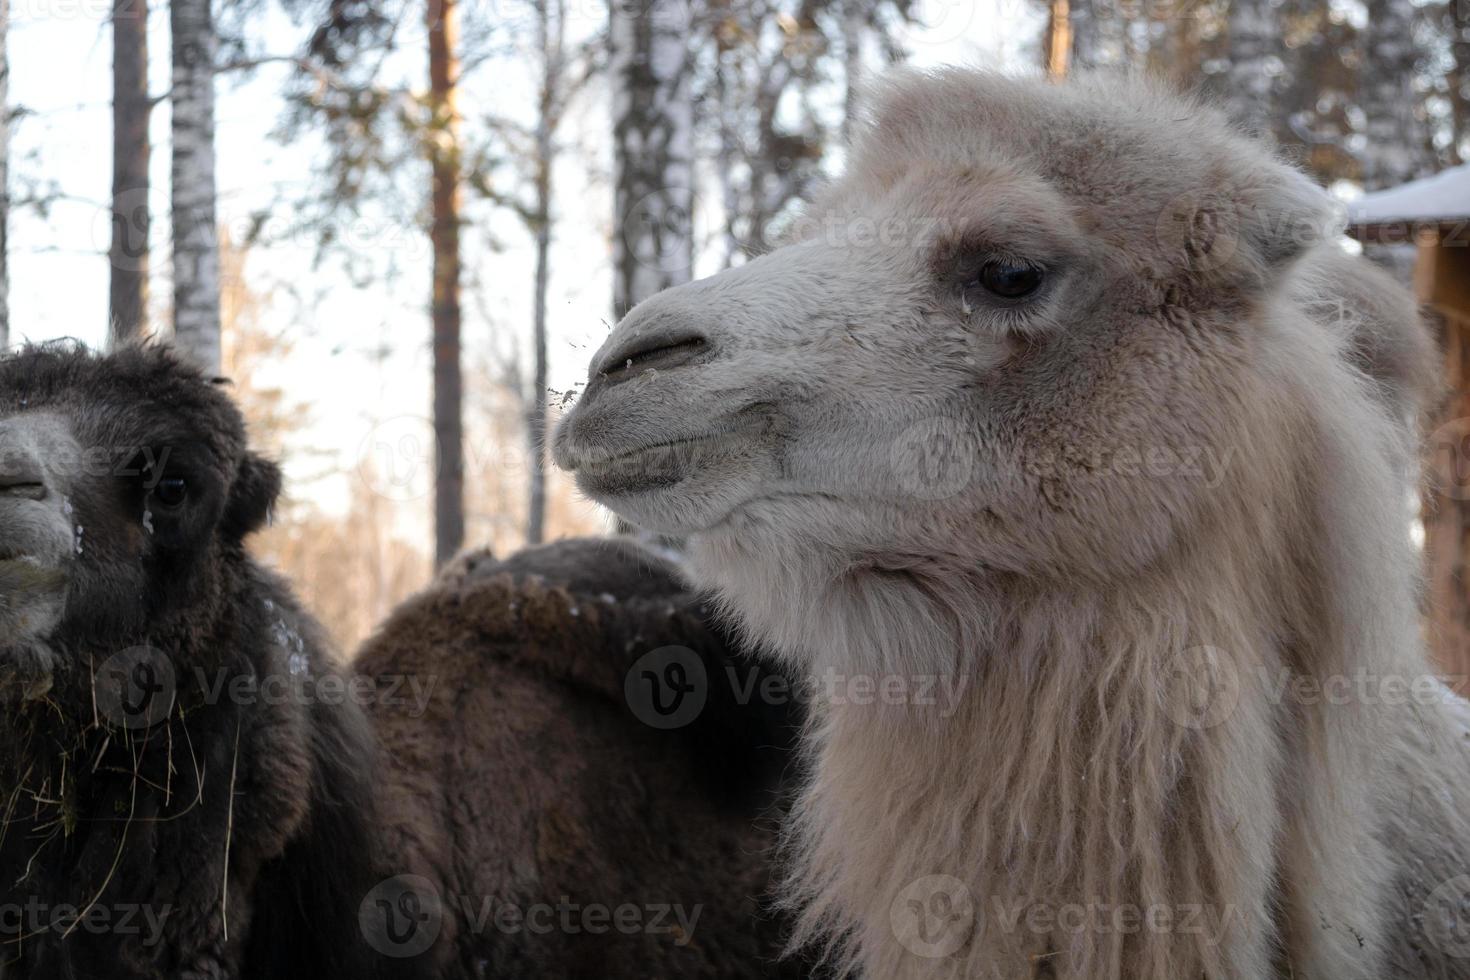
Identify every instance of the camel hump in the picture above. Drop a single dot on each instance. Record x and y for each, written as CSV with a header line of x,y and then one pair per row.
x,y
594,567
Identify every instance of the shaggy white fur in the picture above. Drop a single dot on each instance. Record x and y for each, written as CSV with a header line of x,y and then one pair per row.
x,y
1065,394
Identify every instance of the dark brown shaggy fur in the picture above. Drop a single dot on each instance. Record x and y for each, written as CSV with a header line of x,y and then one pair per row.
x,y
250,824
552,792
245,822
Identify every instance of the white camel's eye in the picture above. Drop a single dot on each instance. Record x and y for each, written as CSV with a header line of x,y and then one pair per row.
x,y
1009,280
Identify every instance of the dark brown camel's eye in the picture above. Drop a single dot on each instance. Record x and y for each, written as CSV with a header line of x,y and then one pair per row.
x,y
172,491
1009,280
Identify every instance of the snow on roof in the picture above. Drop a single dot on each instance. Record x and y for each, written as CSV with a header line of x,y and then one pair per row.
x,y
1444,196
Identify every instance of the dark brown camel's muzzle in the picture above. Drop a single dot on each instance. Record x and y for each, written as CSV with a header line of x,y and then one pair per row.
x,y
39,535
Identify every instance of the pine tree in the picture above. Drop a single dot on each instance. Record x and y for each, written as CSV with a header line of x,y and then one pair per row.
x,y
444,158
551,44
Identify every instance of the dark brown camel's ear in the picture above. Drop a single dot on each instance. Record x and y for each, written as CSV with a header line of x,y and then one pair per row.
x,y
252,495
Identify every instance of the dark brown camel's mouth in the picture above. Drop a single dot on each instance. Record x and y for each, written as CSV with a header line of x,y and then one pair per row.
x,y
25,575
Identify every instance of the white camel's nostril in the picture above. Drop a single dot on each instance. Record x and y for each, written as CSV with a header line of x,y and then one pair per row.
x,y
652,352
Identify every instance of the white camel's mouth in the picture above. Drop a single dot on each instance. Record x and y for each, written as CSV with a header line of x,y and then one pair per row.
x,y
648,468
655,460
624,457
672,478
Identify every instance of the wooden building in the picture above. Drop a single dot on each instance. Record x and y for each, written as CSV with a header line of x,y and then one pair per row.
x,y
1433,217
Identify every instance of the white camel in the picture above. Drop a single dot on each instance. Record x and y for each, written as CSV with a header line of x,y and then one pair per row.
x,y
1065,394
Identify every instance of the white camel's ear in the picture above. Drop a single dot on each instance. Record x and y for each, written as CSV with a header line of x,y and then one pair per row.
x,y
1255,220
1286,215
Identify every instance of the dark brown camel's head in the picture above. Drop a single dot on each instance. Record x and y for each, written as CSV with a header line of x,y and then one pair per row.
x,y
126,489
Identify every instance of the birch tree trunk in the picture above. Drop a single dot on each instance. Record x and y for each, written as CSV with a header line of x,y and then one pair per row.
x,y
4,176
653,149
1394,152
550,21
195,236
128,252
727,92
444,163
1255,63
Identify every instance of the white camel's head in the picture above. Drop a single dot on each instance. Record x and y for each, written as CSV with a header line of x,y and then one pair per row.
x,y
1022,336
